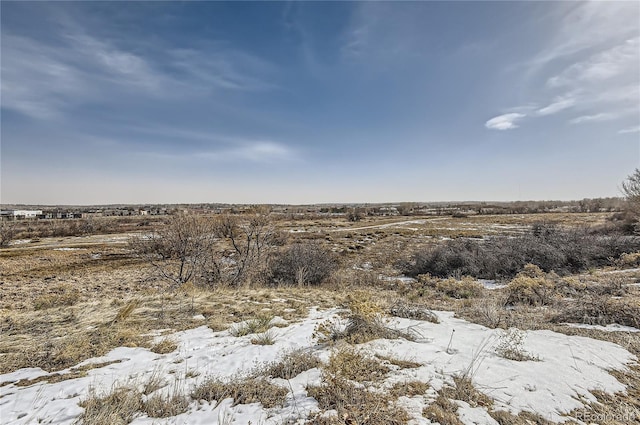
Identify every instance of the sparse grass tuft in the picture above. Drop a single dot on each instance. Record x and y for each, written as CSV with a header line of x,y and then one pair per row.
x,y
402,364
292,365
258,325
442,411
364,323
164,406
119,407
266,338
464,390
165,346
241,390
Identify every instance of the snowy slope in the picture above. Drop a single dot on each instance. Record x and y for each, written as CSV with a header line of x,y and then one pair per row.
x,y
568,367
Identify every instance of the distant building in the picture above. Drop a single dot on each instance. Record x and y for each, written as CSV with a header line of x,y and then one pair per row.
x,y
20,214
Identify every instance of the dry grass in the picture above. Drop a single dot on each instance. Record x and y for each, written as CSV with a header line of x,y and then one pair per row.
x,y
164,406
292,364
165,346
349,363
119,407
253,326
241,390
463,389
467,287
364,323
442,411
408,388
406,310
60,296
402,364
266,338
353,404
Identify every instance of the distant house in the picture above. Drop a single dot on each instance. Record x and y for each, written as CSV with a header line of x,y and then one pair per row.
x,y
20,214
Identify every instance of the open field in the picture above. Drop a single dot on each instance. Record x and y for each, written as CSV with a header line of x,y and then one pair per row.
x,y
91,333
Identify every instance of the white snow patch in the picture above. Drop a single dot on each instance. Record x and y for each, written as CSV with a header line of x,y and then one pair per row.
x,y
569,367
613,327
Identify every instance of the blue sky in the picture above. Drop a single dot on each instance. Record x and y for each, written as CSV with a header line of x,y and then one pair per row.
x,y
156,102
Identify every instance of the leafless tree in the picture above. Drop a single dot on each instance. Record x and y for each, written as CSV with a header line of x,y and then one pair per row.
x,y
182,250
251,239
8,232
631,188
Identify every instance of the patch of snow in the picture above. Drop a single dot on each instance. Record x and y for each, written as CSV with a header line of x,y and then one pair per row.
x,y
613,327
67,249
20,241
569,367
474,415
491,284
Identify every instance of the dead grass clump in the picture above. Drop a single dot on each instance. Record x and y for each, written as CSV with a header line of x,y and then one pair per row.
x,y
60,296
467,287
600,310
531,287
442,411
292,365
353,404
463,389
408,388
412,311
165,346
523,418
164,406
119,407
628,260
241,390
488,311
364,323
402,364
266,338
351,364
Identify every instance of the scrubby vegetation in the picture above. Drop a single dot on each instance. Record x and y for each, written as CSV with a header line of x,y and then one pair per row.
x,y
549,247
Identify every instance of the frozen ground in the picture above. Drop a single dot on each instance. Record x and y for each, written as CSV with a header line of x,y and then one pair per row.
x,y
566,370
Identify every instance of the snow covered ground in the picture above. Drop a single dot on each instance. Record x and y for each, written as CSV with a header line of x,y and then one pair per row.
x,y
567,368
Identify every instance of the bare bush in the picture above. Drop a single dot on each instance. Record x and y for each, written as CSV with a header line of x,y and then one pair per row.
x,y
8,232
251,243
303,264
181,251
531,287
600,310
548,247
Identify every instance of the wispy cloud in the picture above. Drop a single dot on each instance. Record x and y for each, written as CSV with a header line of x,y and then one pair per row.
x,y
604,65
504,122
590,65
45,79
259,151
558,104
604,116
635,129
